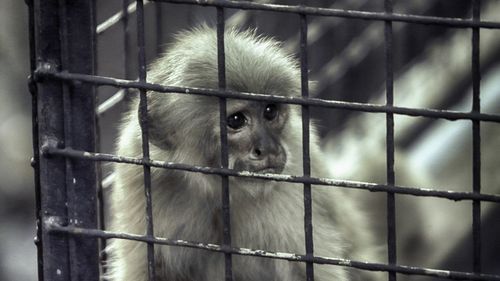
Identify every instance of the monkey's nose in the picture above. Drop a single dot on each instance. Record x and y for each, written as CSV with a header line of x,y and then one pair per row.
x,y
263,150
261,154
257,152
264,156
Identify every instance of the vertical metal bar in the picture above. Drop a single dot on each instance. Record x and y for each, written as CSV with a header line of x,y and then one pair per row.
x,y
67,140
391,204
226,212
93,26
100,195
126,40
77,37
51,130
159,27
100,191
34,130
306,161
143,117
126,46
476,140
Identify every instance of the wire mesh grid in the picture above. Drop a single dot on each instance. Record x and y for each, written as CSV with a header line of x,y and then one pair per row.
x,y
64,161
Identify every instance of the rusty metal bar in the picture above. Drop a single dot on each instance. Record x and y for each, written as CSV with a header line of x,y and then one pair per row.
x,y
352,14
306,159
364,107
294,257
374,187
390,175
143,120
226,213
35,161
476,139
66,45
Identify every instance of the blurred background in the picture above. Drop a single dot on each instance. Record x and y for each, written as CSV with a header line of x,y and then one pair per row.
x,y
432,70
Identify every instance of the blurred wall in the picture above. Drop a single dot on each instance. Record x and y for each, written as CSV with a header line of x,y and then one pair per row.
x,y
17,251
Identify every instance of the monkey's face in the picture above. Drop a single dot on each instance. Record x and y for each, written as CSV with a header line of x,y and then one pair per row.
x,y
254,136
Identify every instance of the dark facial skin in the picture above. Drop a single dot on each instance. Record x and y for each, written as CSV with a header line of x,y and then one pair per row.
x,y
254,134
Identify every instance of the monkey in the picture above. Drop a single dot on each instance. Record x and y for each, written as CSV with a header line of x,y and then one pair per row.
x,y
262,137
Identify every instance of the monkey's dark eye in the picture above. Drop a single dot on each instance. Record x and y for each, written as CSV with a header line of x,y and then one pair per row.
x,y
236,121
271,111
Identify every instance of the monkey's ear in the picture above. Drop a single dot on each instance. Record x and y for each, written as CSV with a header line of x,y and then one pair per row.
x,y
158,127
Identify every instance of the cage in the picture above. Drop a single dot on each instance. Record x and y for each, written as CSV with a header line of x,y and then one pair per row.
x,y
70,186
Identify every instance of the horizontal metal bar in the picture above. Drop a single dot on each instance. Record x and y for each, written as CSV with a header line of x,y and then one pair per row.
x,y
364,107
329,12
111,102
52,225
114,19
108,181
373,187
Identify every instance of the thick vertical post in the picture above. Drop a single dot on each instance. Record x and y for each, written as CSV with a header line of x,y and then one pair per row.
x,y
64,39
78,37
51,132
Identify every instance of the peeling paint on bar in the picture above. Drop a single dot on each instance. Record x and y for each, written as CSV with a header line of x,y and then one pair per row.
x,y
373,187
331,12
440,273
53,224
270,176
363,107
346,263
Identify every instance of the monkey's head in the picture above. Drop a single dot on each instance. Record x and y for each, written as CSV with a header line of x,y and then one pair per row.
x,y
258,133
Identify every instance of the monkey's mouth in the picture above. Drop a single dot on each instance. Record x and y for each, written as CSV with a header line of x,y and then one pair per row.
x,y
271,165
262,169
269,170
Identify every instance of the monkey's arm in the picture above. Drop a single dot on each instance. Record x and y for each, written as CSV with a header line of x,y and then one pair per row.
x,y
127,260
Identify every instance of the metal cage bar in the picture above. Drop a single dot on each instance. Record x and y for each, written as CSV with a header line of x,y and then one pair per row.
x,y
355,106
373,187
403,269
476,140
159,28
79,104
68,186
352,14
306,159
35,161
224,154
126,40
50,127
390,174
143,120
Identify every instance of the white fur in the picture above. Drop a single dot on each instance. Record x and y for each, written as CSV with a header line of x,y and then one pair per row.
x,y
265,215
